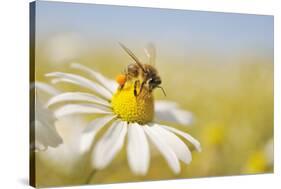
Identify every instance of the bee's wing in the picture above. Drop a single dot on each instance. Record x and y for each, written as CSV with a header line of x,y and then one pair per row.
x,y
150,52
132,55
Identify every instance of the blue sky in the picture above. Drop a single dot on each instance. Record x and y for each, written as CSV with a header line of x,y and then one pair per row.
x,y
181,29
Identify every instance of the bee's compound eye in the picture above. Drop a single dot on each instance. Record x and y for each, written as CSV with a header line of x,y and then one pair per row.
x,y
159,81
156,81
121,79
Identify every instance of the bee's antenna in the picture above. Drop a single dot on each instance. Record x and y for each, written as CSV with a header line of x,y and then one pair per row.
x,y
162,90
132,56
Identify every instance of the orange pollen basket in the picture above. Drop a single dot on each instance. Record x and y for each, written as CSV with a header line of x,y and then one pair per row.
x,y
121,79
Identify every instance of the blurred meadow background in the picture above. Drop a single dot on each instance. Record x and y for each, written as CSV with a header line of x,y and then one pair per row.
x,y
219,66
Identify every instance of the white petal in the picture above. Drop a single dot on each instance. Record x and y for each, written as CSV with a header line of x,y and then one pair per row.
x,y
46,88
76,96
138,150
82,81
45,132
163,148
183,117
186,136
42,114
71,109
107,83
91,130
39,146
161,105
178,146
98,123
86,141
46,135
169,112
109,145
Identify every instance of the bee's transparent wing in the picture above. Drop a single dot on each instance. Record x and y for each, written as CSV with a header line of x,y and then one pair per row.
x,y
150,52
132,55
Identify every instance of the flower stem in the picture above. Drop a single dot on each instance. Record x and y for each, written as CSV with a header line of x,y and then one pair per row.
x,y
89,178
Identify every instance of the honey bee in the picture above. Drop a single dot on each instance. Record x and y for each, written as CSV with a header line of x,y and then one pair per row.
x,y
143,75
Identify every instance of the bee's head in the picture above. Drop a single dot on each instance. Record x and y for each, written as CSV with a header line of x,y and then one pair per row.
x,y
155,82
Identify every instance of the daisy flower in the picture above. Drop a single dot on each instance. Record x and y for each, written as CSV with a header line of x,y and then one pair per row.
x,y
70,129
46,134
127,117
57,142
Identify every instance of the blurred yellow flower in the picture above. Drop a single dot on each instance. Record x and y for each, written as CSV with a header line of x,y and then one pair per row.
x,y
256,163
260,160
213,133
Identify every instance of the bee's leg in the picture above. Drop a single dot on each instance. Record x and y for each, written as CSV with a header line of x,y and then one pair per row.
x,y
135,87
121,87
141,87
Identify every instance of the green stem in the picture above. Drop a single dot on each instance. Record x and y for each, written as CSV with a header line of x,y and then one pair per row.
x,y
89,178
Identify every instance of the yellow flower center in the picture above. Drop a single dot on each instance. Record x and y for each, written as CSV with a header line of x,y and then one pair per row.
x,y
133,108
